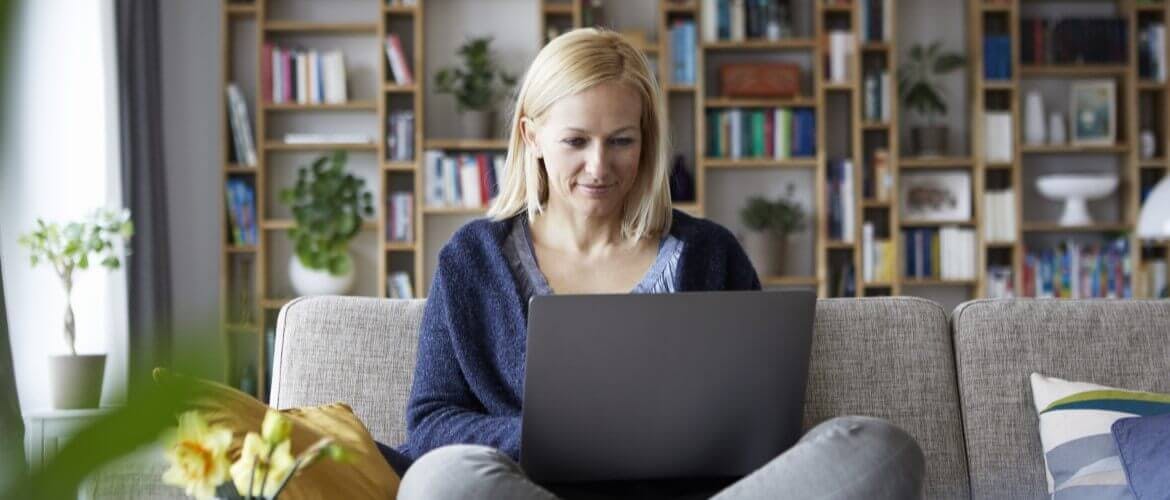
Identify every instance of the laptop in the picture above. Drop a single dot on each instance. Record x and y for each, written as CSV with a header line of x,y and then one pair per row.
x,y
661,386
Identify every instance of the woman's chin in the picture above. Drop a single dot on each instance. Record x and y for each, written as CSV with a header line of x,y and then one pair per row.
x,y
595,207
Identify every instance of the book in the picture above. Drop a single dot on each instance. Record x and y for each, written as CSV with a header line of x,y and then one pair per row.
x,y
396,58
333,73
997,133
398,285
840,55
241,127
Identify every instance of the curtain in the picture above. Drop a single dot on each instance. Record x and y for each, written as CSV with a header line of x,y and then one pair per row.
x,y
144,187
12,462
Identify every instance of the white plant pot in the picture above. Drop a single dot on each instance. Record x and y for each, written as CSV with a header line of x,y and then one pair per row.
x,y
1034,133
307,281
77,380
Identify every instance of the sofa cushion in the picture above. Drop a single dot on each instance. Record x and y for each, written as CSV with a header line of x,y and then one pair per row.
x,y
359,350
892,358
1000,342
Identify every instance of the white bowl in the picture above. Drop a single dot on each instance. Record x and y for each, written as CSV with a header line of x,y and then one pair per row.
x,y
1076,190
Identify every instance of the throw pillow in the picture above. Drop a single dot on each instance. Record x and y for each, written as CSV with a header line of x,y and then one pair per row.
x,y
1144,444
366,476
1080,455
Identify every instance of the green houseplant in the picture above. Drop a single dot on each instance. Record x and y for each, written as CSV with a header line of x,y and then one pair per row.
x,y
327,203
769,223
918,84
97,239
477,86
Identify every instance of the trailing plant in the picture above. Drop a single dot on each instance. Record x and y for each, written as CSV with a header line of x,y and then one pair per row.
x,y
328,203
74,246
781,216
479,83
918,79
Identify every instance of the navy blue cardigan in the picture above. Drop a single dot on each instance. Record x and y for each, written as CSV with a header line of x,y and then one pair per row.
x,y
469,377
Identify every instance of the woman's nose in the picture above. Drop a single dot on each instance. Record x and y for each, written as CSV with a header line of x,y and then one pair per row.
x,y
595,163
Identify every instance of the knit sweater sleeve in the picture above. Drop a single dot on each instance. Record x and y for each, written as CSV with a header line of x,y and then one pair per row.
x,y
442,409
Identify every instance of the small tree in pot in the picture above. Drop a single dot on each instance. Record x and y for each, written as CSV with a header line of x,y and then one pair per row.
x,y
77,379
477,87
328,204
769,224
918,84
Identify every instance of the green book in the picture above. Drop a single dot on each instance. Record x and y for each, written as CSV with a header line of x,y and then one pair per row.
x,y
783,133
757,133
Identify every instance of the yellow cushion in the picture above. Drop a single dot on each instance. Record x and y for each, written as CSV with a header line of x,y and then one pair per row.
x,y
367,475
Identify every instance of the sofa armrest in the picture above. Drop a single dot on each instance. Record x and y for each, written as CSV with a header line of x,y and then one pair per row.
x,y
136,476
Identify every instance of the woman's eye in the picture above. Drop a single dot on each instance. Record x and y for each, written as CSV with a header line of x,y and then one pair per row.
x,y
575,142
622,141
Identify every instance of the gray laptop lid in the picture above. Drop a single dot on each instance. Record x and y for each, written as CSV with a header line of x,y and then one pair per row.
x,y
699,384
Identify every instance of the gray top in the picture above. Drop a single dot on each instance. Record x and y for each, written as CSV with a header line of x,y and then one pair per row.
x,y
662,277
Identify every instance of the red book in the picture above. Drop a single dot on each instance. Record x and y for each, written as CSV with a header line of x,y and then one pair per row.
x,y
399,64
1038,42
266,73
485,190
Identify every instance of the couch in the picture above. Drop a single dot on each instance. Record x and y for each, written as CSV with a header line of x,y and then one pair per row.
x,y
958,383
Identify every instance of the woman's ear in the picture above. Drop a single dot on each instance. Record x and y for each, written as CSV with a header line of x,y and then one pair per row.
x,y
528,132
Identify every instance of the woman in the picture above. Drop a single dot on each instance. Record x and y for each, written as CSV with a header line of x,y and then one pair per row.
x,y
584,207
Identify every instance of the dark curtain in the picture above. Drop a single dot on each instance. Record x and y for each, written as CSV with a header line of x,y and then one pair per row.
x,y
12,463
144,186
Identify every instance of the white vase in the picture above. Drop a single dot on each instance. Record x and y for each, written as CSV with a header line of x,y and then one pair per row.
x,y
1057,131
1034,119
307,281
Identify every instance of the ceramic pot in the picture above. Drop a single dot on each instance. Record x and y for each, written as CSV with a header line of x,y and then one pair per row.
x,y
77,380
767,252
1034,119
307,281
477,124
930,140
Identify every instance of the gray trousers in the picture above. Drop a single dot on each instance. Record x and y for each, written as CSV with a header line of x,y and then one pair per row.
x,y
846,457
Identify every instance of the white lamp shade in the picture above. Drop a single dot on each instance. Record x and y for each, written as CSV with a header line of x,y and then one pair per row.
x,y
1154,219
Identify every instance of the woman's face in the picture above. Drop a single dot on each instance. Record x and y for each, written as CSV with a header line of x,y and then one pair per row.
x,y
591,143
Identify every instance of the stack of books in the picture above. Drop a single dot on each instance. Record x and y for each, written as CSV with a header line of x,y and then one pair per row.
x,y
398,285
1076,270
400,136
682,52
999,282
467,180
1074,40
302,76
243,147
876,23
877,257
400,216
840,200
946,253
999,209
396,59
241,208
779,133
877,95
1152,52
737,20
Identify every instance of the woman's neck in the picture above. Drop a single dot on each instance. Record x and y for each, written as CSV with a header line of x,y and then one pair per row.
x,y
566,231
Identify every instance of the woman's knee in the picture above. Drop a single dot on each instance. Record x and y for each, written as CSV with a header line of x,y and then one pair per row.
x,y
456,471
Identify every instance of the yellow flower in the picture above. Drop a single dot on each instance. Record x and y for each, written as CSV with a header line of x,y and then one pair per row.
x,y
277,462
276,427
197,453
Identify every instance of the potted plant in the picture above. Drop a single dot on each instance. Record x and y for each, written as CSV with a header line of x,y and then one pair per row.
x,y
477,86
327,203
769,224
77,378
918,84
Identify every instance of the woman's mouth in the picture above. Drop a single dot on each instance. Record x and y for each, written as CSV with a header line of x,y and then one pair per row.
x,y
596,190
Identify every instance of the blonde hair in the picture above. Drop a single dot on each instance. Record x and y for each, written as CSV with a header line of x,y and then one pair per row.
x,y
572,63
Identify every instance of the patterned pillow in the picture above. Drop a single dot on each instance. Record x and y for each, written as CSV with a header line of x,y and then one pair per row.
x,y
1080,454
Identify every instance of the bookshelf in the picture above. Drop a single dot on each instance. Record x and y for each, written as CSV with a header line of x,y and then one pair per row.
x,y
253,276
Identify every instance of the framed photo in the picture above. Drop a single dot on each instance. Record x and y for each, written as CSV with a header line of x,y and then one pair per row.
x,y
1093,109
935,196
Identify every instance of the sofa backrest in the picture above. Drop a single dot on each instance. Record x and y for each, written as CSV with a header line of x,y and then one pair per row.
x,y
998,343
892,358
884,357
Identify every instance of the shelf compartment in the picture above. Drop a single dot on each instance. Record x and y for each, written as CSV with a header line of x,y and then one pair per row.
x,y
274,303
933,223
876,204
466,144
564,9
1068,148
795,102
999,85
877,284
837,9
681,88
839,86
237,169
681,7
308,27
1073,70
999,166
402,10
1149,85
837,245
1054,227
240,9
937,282
1153,163
394,88
768,45
790,281
750,163
322,146
240,248
875,47
939,162
344,106
999,244
875,125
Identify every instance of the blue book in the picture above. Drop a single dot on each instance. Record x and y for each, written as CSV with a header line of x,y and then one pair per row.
x,y
690,40
724,19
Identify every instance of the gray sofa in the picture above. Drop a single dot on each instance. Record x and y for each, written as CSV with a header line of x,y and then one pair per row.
x,y
957,382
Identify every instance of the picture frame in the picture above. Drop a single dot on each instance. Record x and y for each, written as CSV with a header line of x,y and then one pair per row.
x,y
935,196
1093,112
